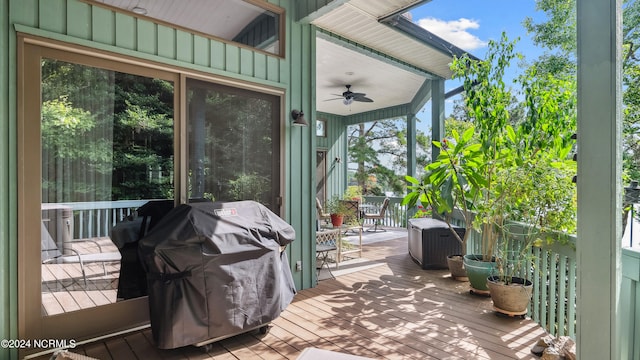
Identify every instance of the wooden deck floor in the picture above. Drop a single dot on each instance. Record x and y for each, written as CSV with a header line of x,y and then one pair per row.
x,y
63,285
386,307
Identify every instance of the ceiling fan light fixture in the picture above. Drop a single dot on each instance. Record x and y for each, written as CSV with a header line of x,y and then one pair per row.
x,y
347,101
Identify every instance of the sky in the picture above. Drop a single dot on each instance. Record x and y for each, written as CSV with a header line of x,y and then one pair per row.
x,y
470,24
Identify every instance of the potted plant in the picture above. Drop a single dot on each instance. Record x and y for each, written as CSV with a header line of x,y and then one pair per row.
x,y
352,199
539,193
337,209
474,171
451,182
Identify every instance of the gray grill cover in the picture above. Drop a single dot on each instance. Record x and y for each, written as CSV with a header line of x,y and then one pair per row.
x,y
216,270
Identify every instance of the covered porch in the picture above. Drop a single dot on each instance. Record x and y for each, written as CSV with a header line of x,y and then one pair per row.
x,y
394,309
385,307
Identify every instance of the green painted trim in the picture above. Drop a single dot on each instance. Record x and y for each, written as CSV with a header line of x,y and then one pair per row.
x,y
631,264
141,55
630,305
424,94
309,10
392,112
437,115
599,182
8,183
352,45
411,148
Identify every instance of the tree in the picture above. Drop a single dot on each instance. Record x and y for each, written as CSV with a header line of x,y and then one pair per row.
x,y
104,134
482,169
379,150
557,34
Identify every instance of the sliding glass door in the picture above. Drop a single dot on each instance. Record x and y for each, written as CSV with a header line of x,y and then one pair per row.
x,y
98,138
234,140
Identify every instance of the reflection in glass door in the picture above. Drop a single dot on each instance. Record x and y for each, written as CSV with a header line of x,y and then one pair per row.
x,y
107,148
97,144
234,140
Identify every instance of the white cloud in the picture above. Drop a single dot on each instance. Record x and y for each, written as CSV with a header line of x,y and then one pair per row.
x,y
454,31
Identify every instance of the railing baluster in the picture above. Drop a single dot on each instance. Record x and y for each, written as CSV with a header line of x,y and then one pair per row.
x,y
80,225
553,299
572,298
544,298
537,284
562,297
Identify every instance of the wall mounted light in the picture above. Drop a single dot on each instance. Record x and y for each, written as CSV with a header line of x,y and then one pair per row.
x,y
139,10
298,118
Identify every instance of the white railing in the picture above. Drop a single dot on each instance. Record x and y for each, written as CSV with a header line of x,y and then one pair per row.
x,y
396,214
96,219
553,275
630,304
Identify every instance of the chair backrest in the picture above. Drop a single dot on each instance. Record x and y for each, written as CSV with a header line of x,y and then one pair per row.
x,y
353,211
385,204
321,212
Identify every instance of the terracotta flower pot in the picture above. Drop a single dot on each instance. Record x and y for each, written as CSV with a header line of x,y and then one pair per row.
x,y
336,220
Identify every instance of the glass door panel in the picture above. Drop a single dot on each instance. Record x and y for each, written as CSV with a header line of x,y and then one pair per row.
x,y
106,149
233,140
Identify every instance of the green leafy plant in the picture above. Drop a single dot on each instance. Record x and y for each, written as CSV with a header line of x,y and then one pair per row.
x,y
537,208
505,169
336,206
452,181
248,187
353,192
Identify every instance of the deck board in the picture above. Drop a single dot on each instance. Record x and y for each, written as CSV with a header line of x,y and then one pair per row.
x,y
393,310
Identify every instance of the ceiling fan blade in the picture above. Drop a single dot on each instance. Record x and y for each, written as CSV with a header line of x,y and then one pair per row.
x,y
358,94
362,99
340,98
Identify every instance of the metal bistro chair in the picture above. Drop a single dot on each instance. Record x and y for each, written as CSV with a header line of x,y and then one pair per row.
x,y
326,241
52,254
377,216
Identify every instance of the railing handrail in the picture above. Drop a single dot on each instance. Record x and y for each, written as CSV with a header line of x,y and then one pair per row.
x,y
96,218
396,214
94,205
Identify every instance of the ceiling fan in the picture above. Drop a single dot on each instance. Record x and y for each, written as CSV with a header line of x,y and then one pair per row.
x,y
349,96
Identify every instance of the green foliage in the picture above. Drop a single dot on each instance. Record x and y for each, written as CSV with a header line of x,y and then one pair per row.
x,y
502,169
452,180
422,213
557,34
105,135
353,192
379,149
248,187
336,206
65,126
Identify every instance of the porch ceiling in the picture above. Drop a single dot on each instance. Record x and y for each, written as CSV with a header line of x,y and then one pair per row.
x,y
360,44
336,66
388,83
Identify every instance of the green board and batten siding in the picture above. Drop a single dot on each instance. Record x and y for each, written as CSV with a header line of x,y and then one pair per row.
x,y
335,143
8,186
80,23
